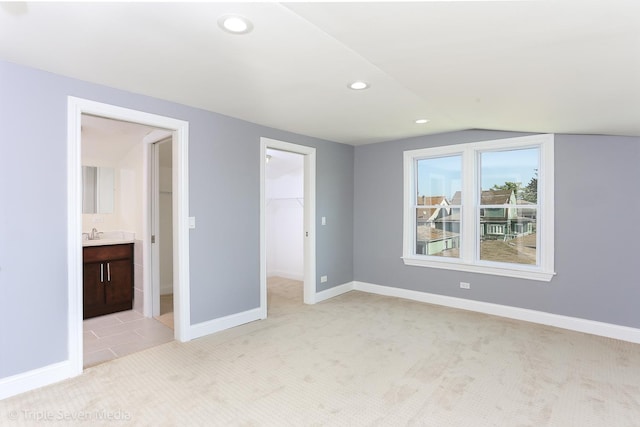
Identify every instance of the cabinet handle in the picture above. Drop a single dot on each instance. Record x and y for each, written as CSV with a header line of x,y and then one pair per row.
x,y
108,272
101,272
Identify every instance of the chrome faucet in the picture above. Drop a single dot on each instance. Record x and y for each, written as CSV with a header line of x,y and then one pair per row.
x,y
94,234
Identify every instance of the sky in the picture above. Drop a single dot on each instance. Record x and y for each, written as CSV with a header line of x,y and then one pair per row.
x,y
442,176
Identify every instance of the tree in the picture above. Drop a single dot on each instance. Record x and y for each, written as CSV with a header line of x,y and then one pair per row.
x,y
530,192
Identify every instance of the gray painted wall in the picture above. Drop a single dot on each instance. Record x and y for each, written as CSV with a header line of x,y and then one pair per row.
x,y
597,207
224,156
597,231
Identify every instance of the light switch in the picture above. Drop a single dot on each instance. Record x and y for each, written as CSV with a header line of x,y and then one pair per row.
x,y
324,220
192,222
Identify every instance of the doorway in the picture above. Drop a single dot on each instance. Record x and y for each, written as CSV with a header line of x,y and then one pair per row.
x,y
179,132
308,207
162,232
284,212
114,322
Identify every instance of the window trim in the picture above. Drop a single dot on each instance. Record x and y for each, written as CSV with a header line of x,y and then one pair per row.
x,y
468,261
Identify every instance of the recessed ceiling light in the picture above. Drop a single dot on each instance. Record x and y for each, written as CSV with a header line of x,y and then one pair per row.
x,y
422,121
235,24
358,85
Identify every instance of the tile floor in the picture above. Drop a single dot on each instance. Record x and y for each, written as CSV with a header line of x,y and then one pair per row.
x,y
115,335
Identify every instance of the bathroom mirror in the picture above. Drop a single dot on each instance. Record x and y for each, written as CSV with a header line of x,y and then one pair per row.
x,y
97,190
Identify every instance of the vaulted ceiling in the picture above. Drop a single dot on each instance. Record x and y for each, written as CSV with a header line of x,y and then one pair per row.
x,y
562,66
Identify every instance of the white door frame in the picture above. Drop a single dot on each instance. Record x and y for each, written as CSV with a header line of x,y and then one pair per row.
x,y
152,213
75,108
309,154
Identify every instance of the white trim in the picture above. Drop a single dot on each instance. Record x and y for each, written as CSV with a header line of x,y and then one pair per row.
x,y
334,292
75,108
310,226
469,245
74,239
263,231
216,325
521,273
609,330
36,378
150,179
309,219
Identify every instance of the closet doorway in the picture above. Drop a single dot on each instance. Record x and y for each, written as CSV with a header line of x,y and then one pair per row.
x,y
284,210
287,216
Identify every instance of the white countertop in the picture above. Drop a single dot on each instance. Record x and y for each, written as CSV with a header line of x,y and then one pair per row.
x,y
111,238
104,242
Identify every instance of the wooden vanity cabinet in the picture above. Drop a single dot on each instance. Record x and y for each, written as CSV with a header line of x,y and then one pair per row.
x,y
107,279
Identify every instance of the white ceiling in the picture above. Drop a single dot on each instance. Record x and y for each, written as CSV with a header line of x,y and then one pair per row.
x,y
107,142
564,66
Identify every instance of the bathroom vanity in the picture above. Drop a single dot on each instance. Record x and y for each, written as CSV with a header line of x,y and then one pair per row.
x,y
108,278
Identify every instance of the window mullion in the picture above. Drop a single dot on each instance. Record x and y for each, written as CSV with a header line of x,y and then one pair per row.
x,y
468,215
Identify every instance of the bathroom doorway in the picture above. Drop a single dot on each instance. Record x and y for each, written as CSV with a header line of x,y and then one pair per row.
x,y
117,146
178,130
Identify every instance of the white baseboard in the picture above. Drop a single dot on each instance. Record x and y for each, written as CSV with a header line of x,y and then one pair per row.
x,y
609,330
217,325
44,376
20,383
334,292
286,275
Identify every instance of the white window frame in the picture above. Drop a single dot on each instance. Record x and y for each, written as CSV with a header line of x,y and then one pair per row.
x,y
469,240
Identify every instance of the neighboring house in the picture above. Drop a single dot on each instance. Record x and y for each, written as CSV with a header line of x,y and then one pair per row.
x,y
430,208
499,217
432,241
527,212
429,239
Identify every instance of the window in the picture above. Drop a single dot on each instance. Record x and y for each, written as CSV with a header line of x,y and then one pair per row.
x,y
484,207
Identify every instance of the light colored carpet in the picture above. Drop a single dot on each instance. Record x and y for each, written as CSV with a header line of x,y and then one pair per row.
x,y
360,360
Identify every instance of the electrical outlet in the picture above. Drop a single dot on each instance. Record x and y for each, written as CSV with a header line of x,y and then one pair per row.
x,y
323,279
465,285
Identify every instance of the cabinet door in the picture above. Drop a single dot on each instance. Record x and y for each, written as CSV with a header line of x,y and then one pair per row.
x,y
92,290
119,289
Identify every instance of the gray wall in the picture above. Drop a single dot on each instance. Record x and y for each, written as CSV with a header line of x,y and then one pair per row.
x,y
224,156
597,229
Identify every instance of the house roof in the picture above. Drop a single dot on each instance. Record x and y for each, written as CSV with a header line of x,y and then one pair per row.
x,y
430,234
453,217
426,212
496,197
431,200
520,250
488,197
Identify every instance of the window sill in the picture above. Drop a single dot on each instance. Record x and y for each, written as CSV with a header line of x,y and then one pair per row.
x,y
520,273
